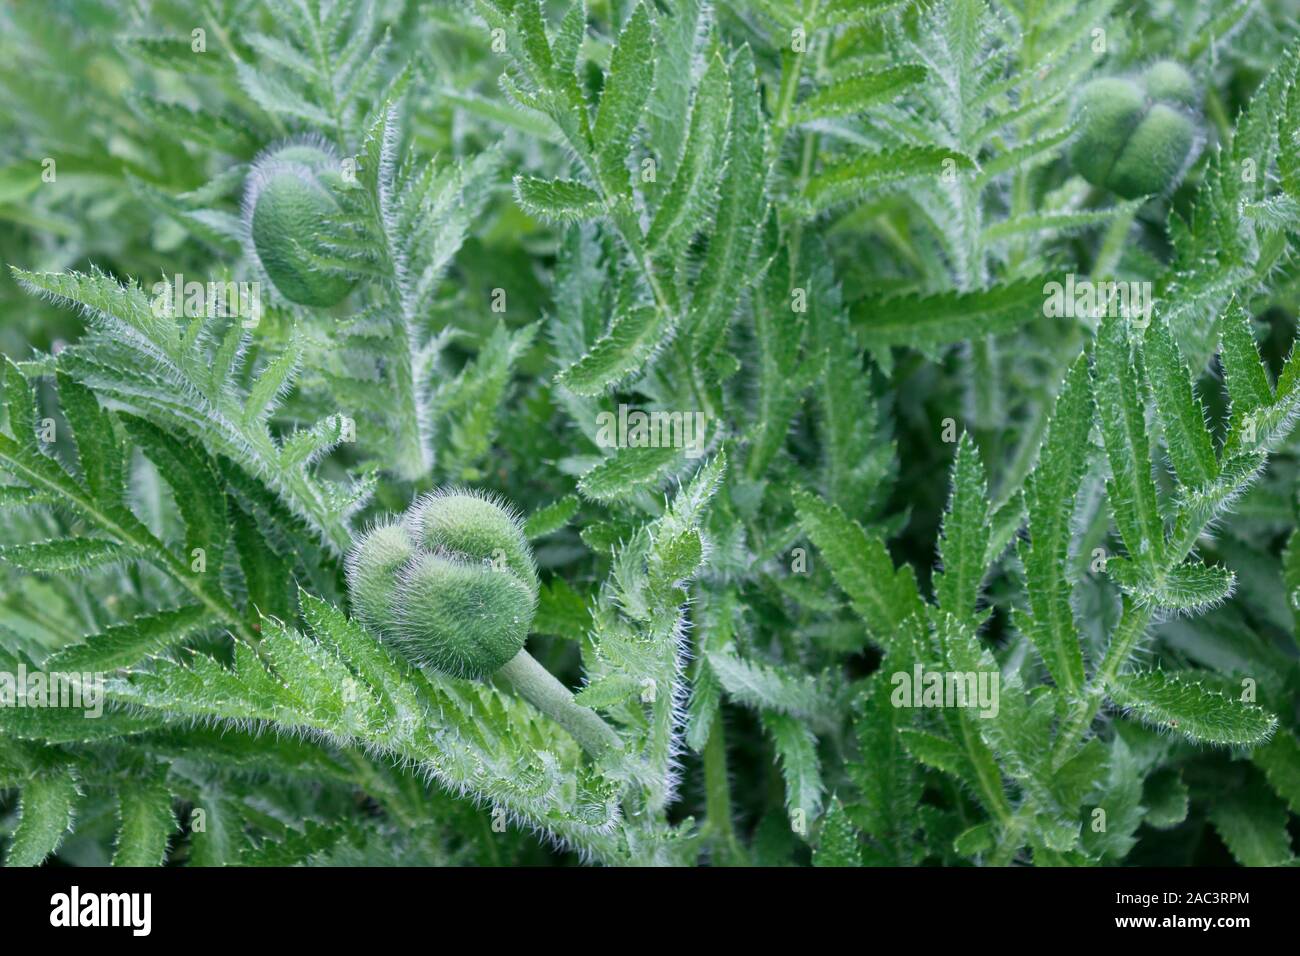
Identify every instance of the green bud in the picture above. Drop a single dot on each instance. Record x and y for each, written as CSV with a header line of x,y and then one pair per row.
x,y
1167,81
286,210
1137,138
474,528
460,618
373,568
452,586
1154,154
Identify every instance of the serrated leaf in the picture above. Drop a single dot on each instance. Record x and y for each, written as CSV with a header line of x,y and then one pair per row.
x,y
625,472
838,842
1253,824
939,753
557,200
1050,496
98,451
634,335
854,94
146,822
627,87
1279,758
551,518
1165,797
693,188
931,321
1191,586
861,565
1199,713
965,533
766,687
45,813
195,486
867,172
604,692
1181,414
66,554
740,205
796,750
126,644
1120,393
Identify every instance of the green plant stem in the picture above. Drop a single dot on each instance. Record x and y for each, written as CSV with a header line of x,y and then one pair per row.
x,y
717,792
539,687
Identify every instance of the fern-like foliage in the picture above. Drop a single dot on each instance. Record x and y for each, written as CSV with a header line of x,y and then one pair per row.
x,y
813,238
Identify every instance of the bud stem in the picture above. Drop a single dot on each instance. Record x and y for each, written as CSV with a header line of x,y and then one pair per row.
x,y
540,688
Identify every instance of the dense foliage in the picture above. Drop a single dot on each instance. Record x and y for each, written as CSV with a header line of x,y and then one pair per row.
x,y
966,328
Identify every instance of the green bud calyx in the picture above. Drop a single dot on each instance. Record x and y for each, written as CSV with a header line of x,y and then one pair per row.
x,y
1138,135
287,207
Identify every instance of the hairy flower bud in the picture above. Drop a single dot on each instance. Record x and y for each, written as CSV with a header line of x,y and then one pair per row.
x,y
453,586
1138,136
287,206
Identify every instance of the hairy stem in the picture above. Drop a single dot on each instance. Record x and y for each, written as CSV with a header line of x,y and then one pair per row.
x,y
539,687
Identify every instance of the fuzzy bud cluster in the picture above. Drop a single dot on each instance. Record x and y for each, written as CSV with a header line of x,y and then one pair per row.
x,y
1138,134
451,585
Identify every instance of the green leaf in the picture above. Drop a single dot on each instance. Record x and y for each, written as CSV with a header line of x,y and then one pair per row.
x,y
1056,223
1253,823
625,472
98,450
975,840
1192,586
267,576
1050,497
851,180
740,211
838,842
1181,414
146,822
199,126
796,750
854,94
606,692
634,336
67,554
1244,373
888,780
939,753
931,321
298,847
1119,390
126,644
557,200
561,611
693,191
1168,700
195,485
551,518
45,813
21,401
965,534
1120,797
273,383
768,688
882,596
627,87
1279,758
1166,799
